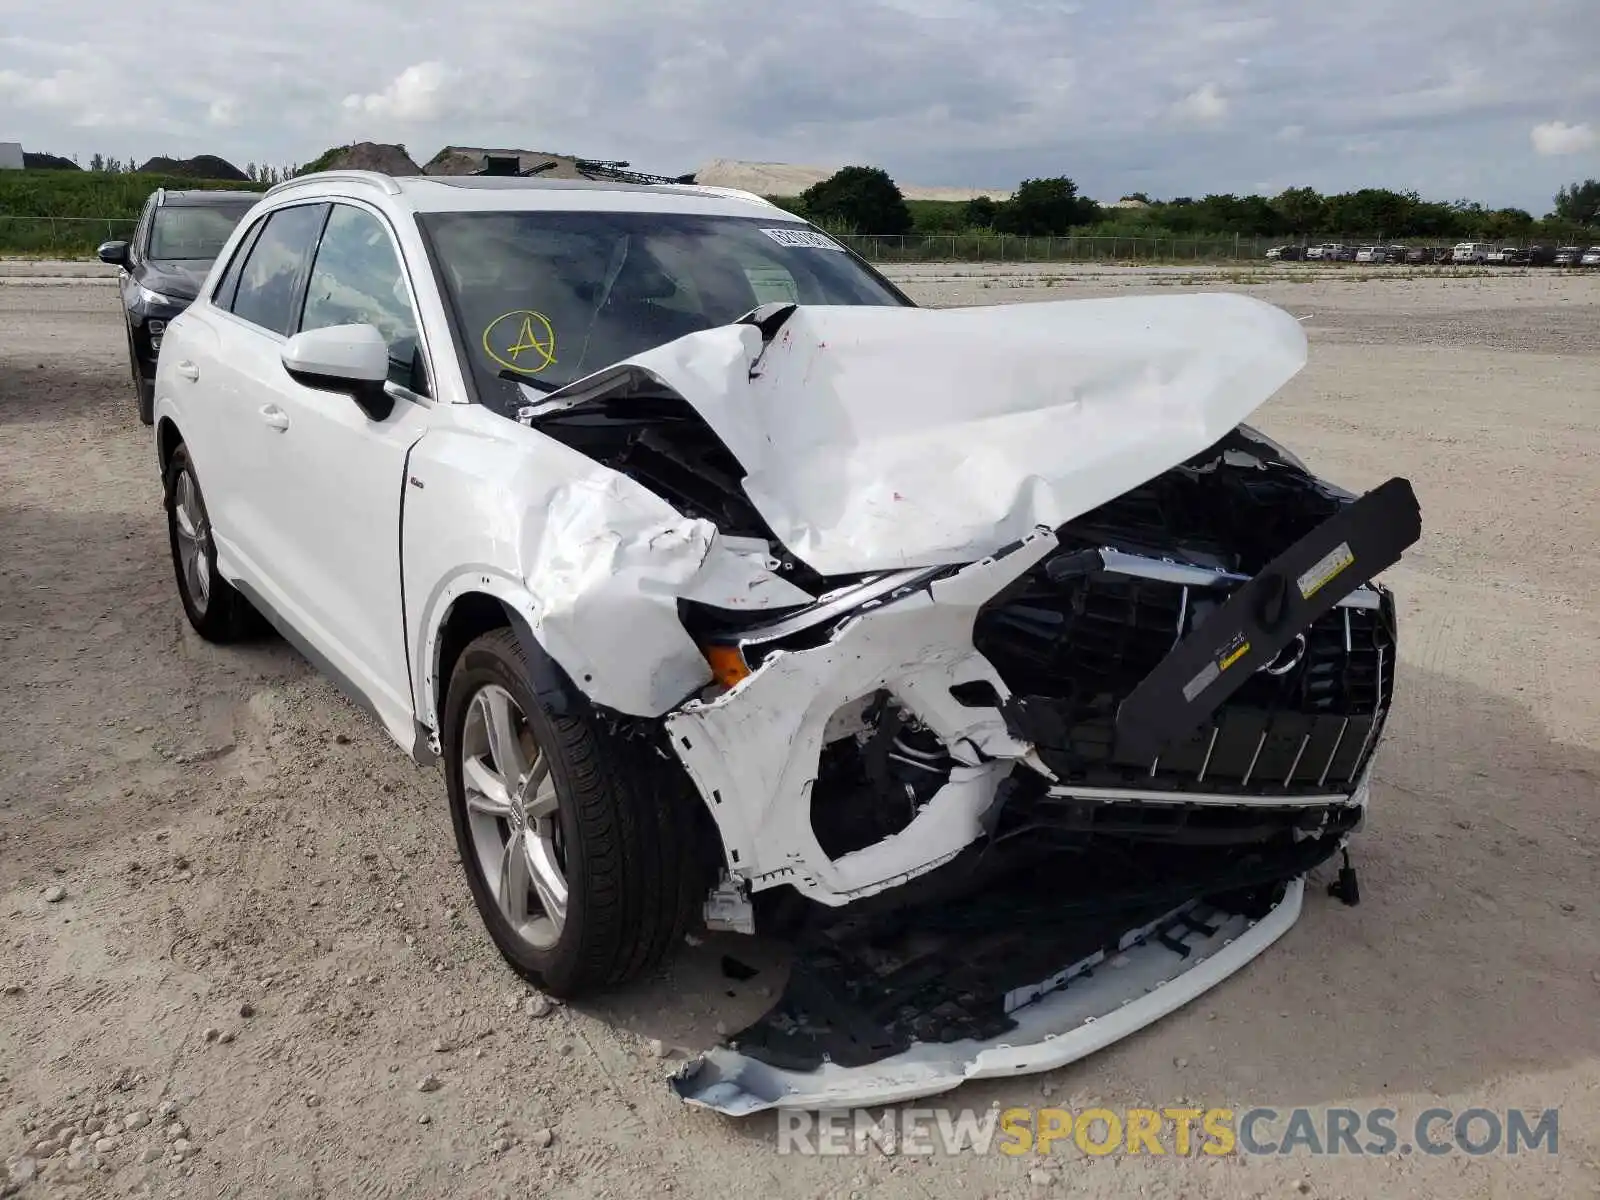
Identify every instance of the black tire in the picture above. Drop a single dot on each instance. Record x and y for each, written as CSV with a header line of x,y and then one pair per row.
x,y
144,390
221,614
625,824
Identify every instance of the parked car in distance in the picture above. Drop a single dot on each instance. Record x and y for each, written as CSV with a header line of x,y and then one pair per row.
x,y
1509,256
1421,255
1567,256
1591,257
1474,253
1539,256
1295,253
543,474
163,265
1372,254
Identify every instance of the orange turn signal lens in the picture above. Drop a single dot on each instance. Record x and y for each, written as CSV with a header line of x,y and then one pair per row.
x,y
727,663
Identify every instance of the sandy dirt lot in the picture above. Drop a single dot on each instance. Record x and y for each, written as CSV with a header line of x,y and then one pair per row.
x,y
266,939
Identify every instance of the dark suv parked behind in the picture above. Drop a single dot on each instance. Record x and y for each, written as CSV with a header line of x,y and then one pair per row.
x,y
178,237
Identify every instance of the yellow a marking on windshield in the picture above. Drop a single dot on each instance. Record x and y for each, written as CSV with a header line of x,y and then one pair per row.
x,y
534,335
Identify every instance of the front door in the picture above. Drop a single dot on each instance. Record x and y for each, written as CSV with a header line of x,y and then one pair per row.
x,y
341,472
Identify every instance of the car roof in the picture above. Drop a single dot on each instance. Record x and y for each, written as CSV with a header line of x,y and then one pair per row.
x,y
199,197
503,193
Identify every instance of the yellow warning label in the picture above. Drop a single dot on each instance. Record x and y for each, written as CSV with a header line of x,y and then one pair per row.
x,y
1325,569
1235,655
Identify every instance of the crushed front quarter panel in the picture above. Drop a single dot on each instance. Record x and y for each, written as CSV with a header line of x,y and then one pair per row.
x,y
595,562
753,751
1088,1005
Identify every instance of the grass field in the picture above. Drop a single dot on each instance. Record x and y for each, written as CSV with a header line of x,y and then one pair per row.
x,y
69,213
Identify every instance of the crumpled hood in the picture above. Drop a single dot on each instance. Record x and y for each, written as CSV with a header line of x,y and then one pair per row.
x,y
887,437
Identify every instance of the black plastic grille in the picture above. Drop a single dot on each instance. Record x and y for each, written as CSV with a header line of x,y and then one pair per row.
x,y
1071,652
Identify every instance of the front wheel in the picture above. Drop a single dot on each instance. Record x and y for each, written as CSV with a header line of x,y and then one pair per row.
x,y
577,842
144,390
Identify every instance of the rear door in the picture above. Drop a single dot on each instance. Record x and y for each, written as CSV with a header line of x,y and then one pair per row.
x,y
339,474
234,378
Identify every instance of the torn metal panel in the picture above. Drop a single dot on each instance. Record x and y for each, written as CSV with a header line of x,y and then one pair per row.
x,y
876,438
1085,1006
753,752
594,561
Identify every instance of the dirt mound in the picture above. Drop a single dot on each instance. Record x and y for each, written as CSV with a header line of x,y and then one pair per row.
x,y
36,160
386,157
201,166
790,179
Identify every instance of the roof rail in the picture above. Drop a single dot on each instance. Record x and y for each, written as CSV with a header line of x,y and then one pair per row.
x,y
706,189
375,179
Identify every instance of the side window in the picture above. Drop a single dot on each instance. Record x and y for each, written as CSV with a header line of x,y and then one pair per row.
x,y
356,280
229,284
273,278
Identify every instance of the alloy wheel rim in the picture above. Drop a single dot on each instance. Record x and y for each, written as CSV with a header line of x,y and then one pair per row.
x,y
194,540
513,816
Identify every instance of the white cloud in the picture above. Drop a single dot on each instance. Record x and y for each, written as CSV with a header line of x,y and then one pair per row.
x,y
414,95
964,92
1557,137
1206,105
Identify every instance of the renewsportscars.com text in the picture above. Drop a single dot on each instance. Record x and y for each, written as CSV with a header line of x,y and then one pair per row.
x,y
1176,1131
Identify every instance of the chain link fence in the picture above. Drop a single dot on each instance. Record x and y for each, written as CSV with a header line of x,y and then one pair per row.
x,y
1000,247
68,237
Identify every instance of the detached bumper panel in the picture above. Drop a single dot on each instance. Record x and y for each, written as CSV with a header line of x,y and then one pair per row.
x,y
1064,1015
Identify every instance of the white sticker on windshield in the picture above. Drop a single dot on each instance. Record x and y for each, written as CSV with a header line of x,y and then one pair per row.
x,y
802,237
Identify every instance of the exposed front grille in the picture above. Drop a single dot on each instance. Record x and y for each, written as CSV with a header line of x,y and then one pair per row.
x,y
1072,651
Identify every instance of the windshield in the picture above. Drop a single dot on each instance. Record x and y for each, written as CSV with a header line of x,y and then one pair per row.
x,y
194,232
553,296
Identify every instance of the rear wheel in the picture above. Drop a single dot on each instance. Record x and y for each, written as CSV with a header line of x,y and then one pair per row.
x,y
576,842
217,612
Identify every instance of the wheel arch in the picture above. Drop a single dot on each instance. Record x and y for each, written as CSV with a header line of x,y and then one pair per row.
x,y
168,439
467,612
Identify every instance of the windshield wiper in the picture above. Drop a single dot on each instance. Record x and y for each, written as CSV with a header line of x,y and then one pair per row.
x,y
538,385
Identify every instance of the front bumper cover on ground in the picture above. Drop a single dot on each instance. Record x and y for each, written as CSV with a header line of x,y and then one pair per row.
x,y
1086,1006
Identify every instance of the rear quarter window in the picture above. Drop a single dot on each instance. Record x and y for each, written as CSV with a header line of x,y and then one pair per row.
x,y
272,282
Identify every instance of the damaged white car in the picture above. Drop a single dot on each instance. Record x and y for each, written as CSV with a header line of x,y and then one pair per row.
x,y
982,652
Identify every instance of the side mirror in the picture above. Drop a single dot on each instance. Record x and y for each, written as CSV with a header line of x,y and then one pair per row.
x,y
353,359
113,253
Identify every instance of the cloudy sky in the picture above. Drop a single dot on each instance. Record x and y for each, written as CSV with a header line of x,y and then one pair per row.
x,y
1488,99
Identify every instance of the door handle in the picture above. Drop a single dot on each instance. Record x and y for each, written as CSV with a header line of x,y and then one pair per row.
x,y
187,370
275,417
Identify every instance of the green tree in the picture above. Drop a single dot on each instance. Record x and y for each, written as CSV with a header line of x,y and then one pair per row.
x,y
1045,206
862,199
979,213
1507,223
1580,203
1301,209
97,163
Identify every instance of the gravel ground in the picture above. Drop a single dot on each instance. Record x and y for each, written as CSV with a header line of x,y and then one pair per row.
x,y
239,957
